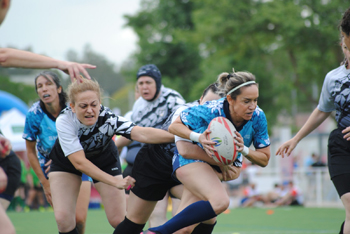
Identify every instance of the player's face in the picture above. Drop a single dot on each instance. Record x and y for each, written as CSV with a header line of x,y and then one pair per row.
x,y
47,90
86,107
209,96
346,51
346,40
4,7
243,107
147,87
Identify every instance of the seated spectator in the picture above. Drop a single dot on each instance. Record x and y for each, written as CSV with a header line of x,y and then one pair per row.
x,y
275,194
252,195
292,197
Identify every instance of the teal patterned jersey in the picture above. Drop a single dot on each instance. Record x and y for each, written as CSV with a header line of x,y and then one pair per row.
x,y
40,127
197,118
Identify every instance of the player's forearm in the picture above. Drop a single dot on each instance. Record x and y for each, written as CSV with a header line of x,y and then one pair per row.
x,y
314,120
88,168
179,129
34,163
151,135
189,150
25,59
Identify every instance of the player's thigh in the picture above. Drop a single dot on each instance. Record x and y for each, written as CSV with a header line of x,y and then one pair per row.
x,y
64,191
83,201
114,202
5,223
139,210
200,179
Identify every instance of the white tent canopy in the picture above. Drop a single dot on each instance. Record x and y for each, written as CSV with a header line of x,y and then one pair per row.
x,y
12,126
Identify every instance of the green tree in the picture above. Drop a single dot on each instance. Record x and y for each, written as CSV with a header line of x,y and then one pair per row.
x,y
289,45
159,26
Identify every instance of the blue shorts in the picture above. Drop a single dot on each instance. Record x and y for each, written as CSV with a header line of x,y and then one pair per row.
x,y
179,161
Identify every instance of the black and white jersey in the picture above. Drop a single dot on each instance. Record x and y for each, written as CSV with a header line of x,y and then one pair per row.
x,y
155,113
75,136
169,148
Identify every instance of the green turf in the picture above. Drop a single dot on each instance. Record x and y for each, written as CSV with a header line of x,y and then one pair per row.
x,y
288,220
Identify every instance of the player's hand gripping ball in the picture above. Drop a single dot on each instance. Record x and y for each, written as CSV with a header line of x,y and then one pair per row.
x,y
223,133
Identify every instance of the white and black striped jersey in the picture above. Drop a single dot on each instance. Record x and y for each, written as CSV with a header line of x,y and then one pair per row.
x,y
74,136
155,113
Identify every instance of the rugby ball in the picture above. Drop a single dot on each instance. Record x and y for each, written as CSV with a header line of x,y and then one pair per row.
x,y
223,133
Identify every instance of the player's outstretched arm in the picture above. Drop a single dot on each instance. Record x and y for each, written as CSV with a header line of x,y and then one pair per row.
x,y
314,120
82,164
151,135
25,59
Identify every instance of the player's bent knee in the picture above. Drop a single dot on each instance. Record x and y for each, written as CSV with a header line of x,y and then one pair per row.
x,y
220,205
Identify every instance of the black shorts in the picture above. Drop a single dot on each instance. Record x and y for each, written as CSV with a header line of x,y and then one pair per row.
x,y
338,154
342,183
12,167
107,160
152,171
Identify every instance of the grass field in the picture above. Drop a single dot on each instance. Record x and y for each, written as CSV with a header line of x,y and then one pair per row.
x,y
284,220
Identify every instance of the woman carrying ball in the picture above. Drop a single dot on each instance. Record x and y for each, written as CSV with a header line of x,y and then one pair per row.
x,y
199,179
85,145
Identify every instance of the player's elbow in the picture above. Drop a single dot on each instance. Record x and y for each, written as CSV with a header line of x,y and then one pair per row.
x,y
185,153
263,163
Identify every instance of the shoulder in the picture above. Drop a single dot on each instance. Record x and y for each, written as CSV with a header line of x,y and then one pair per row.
x,y
337,73
35,109
167,92
65,116
259,112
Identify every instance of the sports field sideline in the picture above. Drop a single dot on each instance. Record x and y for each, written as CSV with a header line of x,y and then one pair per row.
x,y
283,220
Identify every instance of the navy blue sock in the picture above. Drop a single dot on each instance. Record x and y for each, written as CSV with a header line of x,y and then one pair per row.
x,y
194,213
127,226
204,228
74,231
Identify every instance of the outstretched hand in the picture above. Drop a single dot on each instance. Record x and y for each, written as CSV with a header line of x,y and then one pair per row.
x,y
287,148
74,70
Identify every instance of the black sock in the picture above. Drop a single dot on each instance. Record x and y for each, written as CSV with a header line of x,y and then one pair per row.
x,y
127,226
342,228
203,228
74,231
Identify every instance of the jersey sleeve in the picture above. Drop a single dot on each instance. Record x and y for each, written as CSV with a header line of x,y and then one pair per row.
x,y
30,127
197,118
177,114
175,101
261,137
326,103
122,126
67,135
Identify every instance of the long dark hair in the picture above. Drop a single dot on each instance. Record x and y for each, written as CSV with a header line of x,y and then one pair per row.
x,y
345,22
62,96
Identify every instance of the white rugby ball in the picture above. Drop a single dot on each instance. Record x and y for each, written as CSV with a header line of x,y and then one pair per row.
x,y
223,133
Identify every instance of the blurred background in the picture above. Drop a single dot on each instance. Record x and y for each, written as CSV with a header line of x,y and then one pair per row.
x,y
290,45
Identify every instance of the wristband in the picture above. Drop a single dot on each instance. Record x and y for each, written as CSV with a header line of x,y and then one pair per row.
x,y
245,151
194,136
